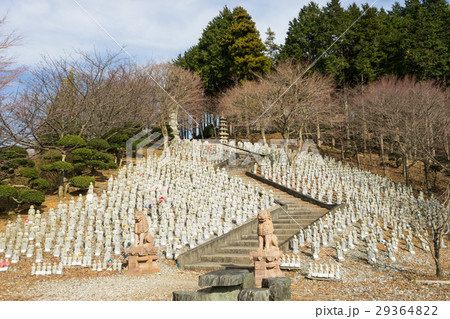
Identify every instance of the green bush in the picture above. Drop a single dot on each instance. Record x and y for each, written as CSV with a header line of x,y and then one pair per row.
x,y
9,165
112,165
53,155
29,172
23,162
208,132
103,156
10,152
349,153
40,183
98,144
59,166
81,154
118,140
82,182
7,191
79,167
31,196
442,159
70,141
97,164
157,129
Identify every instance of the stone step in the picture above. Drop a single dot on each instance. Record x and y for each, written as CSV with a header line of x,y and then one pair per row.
x,y
288,224
246,243
281,238
298,214
290,219
227,258
210,266
306,208
283,231
240,250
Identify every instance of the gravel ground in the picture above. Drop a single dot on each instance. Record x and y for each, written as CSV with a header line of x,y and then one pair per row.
x,y
360,281
385,280
87,285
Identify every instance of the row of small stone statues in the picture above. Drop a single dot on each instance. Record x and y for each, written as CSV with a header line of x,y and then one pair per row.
x,y
370,232
57,269
324,271
103,226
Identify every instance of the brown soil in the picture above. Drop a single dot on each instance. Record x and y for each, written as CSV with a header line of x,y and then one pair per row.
x,y
360,281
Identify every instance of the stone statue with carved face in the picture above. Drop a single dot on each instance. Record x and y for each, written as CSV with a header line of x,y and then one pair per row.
x,y
266,237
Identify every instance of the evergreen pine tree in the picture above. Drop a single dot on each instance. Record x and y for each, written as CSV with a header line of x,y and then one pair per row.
x,y
209,57
245,47
272,49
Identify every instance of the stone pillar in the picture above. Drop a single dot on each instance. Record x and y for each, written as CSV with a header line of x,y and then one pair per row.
x,y
173,123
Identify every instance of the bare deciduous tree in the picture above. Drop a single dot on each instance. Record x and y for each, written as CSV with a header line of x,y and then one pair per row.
x,y
298,99
433,220
413,116
9,73
85,95
176,91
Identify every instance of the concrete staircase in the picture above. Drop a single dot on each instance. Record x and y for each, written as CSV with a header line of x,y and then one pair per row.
x,y
293,215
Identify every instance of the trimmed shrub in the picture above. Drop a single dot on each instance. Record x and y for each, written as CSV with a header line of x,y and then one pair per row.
x,y
52,155
7,191
9,165
29,172
97,164
40,183
394,156
70,141
112,165
79,167
105,157
31,196
98,144
82,182
12,152
81,154
23,162
157,129
59,166
118,139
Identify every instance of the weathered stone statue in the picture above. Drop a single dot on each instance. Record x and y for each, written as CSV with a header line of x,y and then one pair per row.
x,y
266,237
267,259
142,255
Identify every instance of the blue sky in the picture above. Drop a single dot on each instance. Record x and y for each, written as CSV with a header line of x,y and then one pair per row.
x,y
151,30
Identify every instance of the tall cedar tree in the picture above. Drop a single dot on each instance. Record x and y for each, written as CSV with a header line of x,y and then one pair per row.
x,y
209,57
230,49
245,47
408,40
425,44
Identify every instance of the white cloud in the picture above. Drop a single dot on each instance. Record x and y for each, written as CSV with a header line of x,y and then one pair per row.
x,y
151,30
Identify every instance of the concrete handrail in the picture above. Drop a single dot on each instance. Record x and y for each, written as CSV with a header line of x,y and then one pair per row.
x,y
194,255
291,191
331,207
